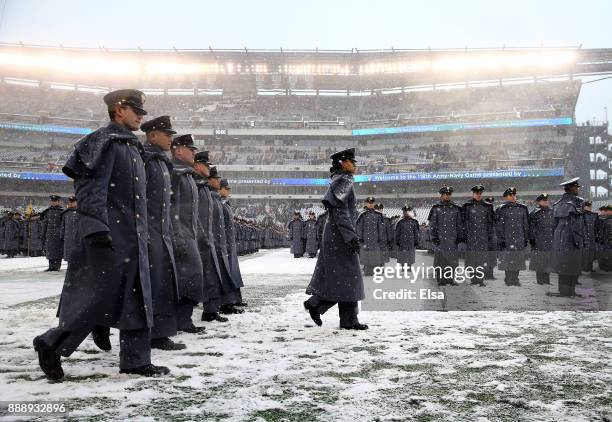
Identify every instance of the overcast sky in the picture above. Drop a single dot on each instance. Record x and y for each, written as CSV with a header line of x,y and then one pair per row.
x,y
329,24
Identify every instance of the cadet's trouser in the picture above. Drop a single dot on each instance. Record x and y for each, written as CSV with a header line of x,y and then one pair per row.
x,y
346,310
134,345
512,278
567,285
55,264
239,296
185,310
164,326
478,278
443,278
543,278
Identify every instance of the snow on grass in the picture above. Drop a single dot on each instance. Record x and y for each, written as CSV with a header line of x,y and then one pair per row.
x,y
273,364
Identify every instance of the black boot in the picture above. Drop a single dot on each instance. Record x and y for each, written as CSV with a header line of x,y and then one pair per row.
x,y
355,326
314,315
149,370
241,304
213,316
100,336
192,329
230,309
165,343
48,360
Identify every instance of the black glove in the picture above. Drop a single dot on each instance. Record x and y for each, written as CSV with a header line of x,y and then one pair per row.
x,y
101,240
532,243
502,245
527,243
436,242
354,246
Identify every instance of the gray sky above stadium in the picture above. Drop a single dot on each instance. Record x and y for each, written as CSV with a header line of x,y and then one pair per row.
x,y
339,24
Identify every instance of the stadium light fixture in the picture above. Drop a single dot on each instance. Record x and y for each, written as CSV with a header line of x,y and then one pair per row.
x,y
63,87
21,82
62,62
70,64
165,67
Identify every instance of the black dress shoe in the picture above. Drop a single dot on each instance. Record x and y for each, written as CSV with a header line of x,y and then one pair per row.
x,y
314,315
100,336
230,309
165,343
149,370
49,361
213,316
192,329
356,326
241,304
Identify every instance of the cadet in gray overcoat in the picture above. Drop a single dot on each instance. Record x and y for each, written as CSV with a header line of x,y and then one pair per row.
x,y
51,219
370,229
512,230
337,275
296,235
164,286
541,225
406,236
447,231
310,234
231,234
184,210
479,221
568,237
590,242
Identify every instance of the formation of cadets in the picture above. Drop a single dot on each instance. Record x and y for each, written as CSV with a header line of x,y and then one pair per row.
x,y
36,234
563,238
26,234
149,234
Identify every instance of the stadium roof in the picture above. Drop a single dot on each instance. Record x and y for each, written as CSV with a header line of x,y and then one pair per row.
x,y
249,71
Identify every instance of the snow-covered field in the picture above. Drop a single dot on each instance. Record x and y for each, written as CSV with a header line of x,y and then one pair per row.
x,y
273,364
